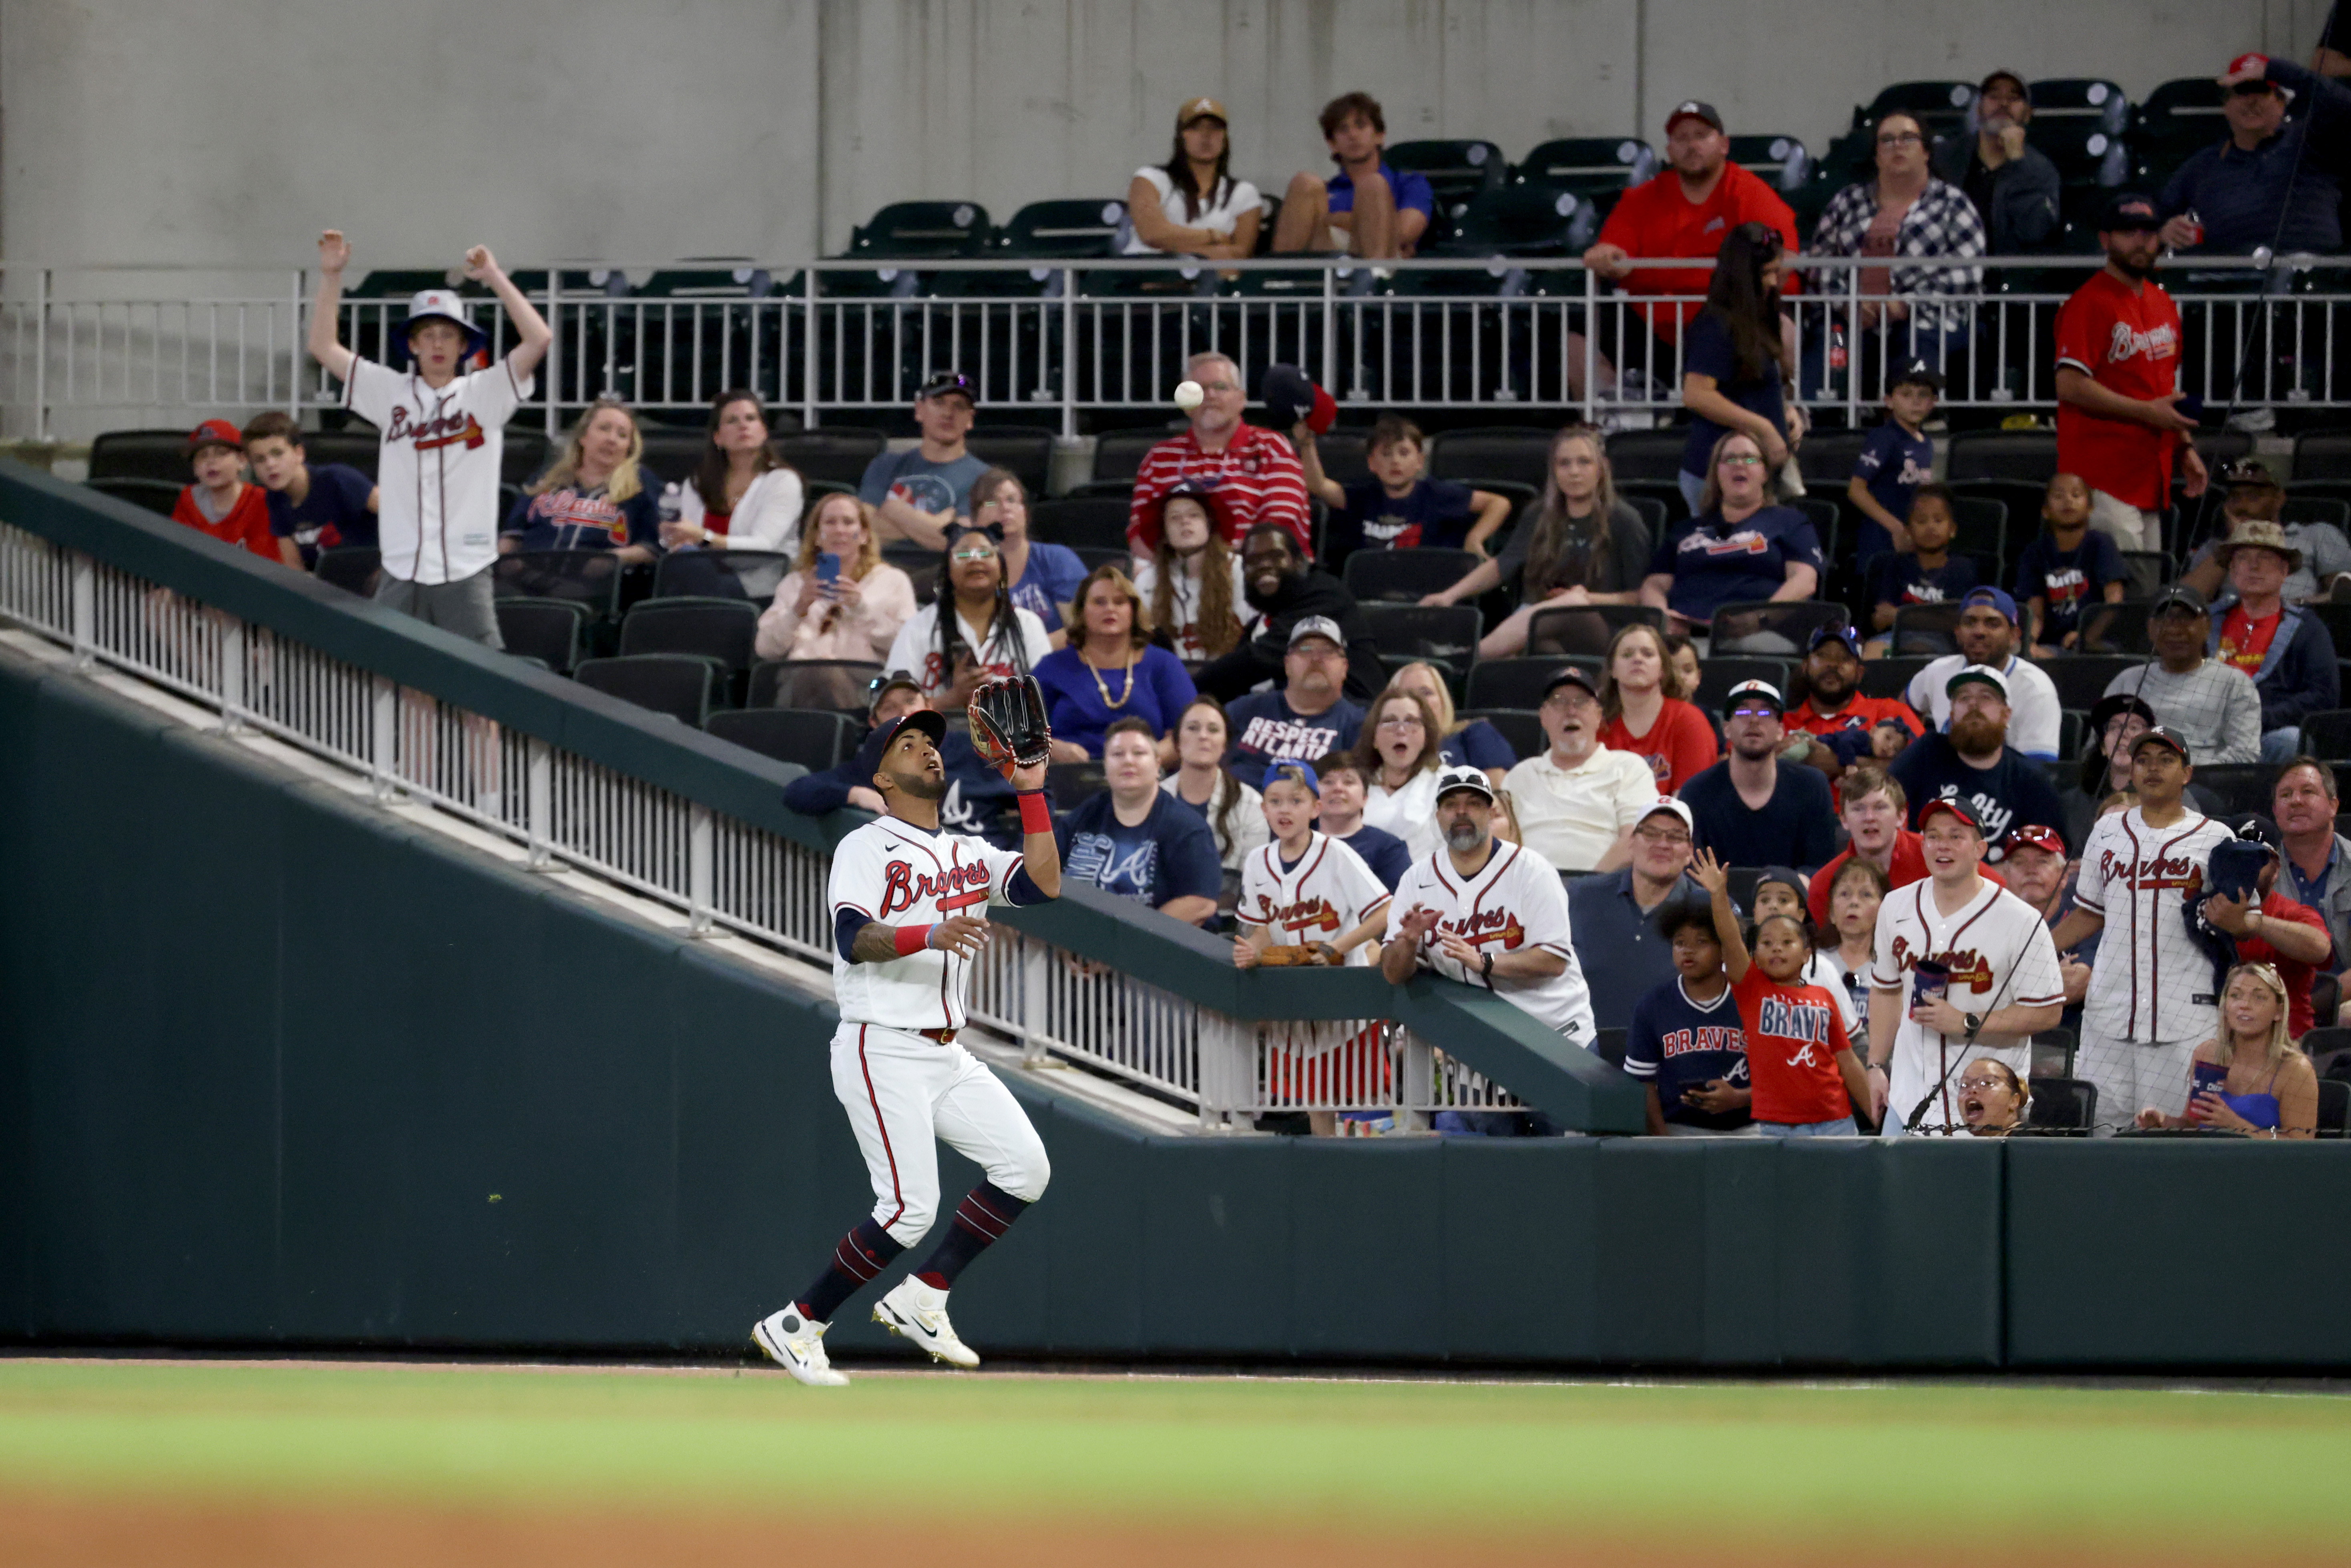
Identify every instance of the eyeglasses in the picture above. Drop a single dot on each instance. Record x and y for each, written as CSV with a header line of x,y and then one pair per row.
x,y
1666,840
1979,1085
1316,651
1899,138
1404,722
1739,460
976,552
1755,713
1218,387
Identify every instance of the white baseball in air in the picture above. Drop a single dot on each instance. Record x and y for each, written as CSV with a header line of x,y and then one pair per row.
x,y
1188,395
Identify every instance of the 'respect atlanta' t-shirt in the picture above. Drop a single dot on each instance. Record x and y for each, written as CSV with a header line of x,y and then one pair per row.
x,y
1265,729
1171,853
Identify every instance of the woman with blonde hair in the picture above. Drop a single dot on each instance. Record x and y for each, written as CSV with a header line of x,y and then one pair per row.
x,y
593,495
1111,671
1401,754
1575,544
852,608
1466,742
1643,709
2249,1078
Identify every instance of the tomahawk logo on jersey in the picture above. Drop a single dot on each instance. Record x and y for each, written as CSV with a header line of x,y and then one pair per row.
x,y
437,467
1325,895
1514,901
900,875
1999,955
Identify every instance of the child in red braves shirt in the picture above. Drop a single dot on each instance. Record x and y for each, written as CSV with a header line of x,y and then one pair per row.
x,y
1806,1078
220,503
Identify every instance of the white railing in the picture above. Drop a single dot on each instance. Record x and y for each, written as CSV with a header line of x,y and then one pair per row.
x,y
84,350
722,875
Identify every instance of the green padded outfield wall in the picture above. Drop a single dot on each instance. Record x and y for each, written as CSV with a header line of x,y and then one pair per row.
x,y
276,1068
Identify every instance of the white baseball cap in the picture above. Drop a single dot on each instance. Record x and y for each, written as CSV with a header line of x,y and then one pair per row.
x,y
1983,673
1461,776
1670,807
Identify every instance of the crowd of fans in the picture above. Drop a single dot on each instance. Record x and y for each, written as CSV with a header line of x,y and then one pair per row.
x,y
1224,689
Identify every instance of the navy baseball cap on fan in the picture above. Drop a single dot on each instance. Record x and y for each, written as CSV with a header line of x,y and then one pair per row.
x,y
2180,596
1918,374
1281,772
438,305
1289,397
945,383
883,686
1998,598
2129,210
2164,735
1575,675
1690,107
1826,635
2023,89
1955,807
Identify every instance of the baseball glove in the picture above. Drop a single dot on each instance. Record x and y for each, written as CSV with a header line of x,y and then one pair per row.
x,y
1310,955
1008,723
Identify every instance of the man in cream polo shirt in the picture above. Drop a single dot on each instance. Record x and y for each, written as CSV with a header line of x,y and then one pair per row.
x,y
1576,802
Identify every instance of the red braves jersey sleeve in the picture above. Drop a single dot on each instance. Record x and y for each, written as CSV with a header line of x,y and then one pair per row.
x,y
2081,325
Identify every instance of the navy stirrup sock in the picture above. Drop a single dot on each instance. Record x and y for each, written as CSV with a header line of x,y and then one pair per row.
x,y
985,1213
863,1253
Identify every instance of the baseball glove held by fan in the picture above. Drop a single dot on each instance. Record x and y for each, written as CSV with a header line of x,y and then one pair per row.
x,y
1300,956
1008,723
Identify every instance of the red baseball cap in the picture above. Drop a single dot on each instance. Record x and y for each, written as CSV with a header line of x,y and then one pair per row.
x,y
215,433
2033,836
1956,807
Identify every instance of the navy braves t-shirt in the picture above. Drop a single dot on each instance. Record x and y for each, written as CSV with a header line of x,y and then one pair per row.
x,y
585,517
1048,581
334,513
1478,744
1901,579
2011,792
1388,856
1714,563
1892,466
1436,512
1706,350
1679,1044
1265,729
1171,853
2067,580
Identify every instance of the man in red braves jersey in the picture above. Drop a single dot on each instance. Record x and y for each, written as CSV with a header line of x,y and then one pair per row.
x,y
1833,705
910,904
2118,416
1250,475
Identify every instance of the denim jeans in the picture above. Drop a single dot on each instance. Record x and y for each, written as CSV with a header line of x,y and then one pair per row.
x,y
1841,1127
2280,745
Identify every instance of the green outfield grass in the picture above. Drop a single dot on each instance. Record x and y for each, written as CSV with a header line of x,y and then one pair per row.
x,y
1985,1461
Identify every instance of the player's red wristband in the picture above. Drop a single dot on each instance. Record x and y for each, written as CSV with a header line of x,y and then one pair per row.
x,y
1036,816
913,939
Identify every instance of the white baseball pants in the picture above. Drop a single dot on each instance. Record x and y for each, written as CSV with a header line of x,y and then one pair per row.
x,y
1913,1073
903,1091
2131,1077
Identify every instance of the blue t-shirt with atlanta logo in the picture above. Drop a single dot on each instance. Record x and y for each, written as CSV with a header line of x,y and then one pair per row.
x,y
2067,580
1892,466
1171,853
585,517
1679,1045
1714,563
1435,513
333,513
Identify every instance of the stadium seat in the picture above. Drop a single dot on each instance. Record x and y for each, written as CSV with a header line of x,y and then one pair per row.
x,y
158,454
589,577
356,445
1404,576
2079,123
161,497
2237,787
1070,228
1773,628
912,231
830,686
1608,1045
1069,785
352,568
1445,635
1718,674
2332,510
1782,162
2327,735
552,630
1118,455
1097,522
719,630
1026,449
746,574
1925,632
1652,510
1586,628
1891,676
2175,121
1456,172
678,685
2115,628
2028,454
1647,454
1599,166
527,454
1501,453
1094,556
2334,1108
1660,502
670,454
1826,458
1519,727
839,453
2052,1053
2149,570
2062,1105
815,740
2337,618
1516,221
2317,454
919,562
1940,107
1517,683
2080,679
1981,530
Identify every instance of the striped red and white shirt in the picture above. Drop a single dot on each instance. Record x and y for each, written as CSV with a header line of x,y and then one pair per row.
x,y
1255,479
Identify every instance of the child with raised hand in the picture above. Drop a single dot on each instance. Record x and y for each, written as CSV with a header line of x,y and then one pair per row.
x,y
1399,507
1894,462
1807,1079
442,435
2066,568
1927,573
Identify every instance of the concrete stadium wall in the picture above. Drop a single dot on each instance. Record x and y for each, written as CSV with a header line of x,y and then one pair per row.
x,y
278,1069
161,131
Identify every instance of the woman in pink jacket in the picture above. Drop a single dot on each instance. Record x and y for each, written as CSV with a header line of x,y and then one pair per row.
x,y
855,614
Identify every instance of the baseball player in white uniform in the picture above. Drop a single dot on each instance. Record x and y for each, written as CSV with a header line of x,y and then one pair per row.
x,y
1488,913
909,904
2154,994
1993,952
443,439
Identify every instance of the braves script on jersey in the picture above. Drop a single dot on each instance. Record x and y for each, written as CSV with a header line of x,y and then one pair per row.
x,y
900,875
2127,341
1999,955
437,468
1513,903
1326,894
2153,980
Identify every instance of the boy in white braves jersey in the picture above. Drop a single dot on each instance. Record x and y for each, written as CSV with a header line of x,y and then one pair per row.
x,y
909,907
443,439
1489,914
1306,898
2003,981
2154,994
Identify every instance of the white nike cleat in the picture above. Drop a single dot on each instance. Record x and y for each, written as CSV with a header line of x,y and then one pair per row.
x,y
797,1345
919,1313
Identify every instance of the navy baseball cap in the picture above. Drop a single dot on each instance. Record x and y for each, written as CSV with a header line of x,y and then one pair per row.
x,y
929,720
2180,596
1844,635
1279,772
1572,675
1693,107
944,384
2129,210
1998,598
2163,735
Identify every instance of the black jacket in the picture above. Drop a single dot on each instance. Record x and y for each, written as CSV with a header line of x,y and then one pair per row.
x,y
1258,660
2023,208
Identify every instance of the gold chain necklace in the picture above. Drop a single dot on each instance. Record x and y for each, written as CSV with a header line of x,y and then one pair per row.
x,y
1103,686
